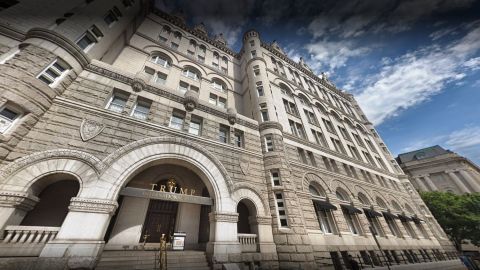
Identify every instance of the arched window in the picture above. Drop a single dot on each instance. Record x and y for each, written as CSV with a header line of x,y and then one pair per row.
x,y
396,206
203,49
166,30
193,43
161,59
285,90
316,191
304,100
218,85
381,203
342,195
178,35
363,199
225,60
323,210
191,73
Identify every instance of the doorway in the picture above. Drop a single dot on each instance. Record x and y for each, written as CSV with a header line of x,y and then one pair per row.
x,y
160,219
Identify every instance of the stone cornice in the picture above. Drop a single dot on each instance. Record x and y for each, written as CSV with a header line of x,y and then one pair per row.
x,y
19,200
171,19
270,124
61,41
223,217
439,160
163,93
92,205
11,32
306,71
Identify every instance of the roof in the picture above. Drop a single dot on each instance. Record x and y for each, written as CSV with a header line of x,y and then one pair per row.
x,y
423,153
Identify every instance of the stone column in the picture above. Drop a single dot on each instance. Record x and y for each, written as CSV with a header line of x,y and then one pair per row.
x,y
81,235
264,234
430,183
13,208
458,182
129,222
421,185
223,236
471,181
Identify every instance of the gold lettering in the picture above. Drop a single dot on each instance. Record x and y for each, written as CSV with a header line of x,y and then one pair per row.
x,y
183,191
192,191
153,186
162,188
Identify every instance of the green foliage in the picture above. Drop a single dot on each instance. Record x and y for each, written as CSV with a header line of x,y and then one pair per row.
x,y
459,215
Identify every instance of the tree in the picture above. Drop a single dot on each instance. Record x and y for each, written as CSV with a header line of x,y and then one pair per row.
x,y
459,215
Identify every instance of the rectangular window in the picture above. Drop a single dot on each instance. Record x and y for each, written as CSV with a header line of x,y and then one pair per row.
x,y
344,133
254,54
409,229
54,72
252,43
311,117
347,170
354,172
174,46
217,101
311,159
325,219
256,70
86,41
338,145
375,225
110,18
326,161
319,138
201,58
117,101
177,119
281,210
264,114
162,39
328,125
161,78
96,32
352,221
354,152
302,156
392,225
382,164
223,134
183,87
334,165
371,146
7,118
290,107
238,134
358,139
141,109
269,143
260,89
368,157
275,178
195,126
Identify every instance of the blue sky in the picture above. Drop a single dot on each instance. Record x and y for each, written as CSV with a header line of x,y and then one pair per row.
x,y
414,66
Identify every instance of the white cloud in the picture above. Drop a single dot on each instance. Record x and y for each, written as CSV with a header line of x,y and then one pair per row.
x,y
473,63
464,138
332,54
415,77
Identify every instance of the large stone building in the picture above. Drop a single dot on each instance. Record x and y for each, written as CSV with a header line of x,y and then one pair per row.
x,y
119,123
437,169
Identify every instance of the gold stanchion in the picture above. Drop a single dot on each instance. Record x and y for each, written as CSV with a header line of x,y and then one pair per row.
x,y
163,253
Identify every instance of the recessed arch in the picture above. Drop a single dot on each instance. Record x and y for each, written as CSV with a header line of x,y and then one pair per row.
x,y
363,198
342,195
138,155
187,64
381,203
396,206
315,180
151,49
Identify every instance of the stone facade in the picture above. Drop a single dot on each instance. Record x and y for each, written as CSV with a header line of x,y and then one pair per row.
x,y
98,99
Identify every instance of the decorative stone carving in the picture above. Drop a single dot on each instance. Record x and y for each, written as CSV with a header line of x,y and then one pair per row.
x,y
19,200
138,85
244,165
92,205
232,115
221,40
200,28
191,100
89,129
223,217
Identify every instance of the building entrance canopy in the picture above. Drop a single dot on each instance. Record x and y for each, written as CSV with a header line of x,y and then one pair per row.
x,y
165,195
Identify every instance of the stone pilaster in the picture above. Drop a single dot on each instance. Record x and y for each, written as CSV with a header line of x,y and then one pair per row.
x,y
458,182
470,180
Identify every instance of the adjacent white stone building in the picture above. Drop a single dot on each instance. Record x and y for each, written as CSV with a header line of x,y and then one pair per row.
x,y
119,123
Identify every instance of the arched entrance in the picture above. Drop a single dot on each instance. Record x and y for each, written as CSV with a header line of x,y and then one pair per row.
x,y
164,197
54,193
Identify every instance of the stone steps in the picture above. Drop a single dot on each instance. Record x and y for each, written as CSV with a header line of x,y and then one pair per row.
x,y
176,260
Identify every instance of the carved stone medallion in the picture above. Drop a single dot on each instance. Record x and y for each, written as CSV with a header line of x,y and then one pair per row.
x,y
244,165
89,129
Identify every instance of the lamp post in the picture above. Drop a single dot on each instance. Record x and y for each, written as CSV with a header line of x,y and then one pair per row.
x,y
378,245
